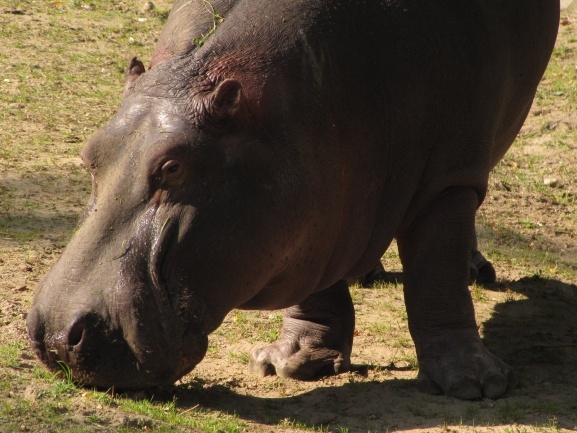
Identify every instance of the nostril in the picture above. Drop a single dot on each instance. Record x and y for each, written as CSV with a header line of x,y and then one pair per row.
x,y
76,332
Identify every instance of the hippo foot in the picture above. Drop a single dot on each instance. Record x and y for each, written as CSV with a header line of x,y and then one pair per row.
x,y
467,371
481,270
374,276
291,359
316,338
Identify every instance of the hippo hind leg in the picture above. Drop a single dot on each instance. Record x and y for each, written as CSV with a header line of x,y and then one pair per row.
x,y
375,276
481,270
316,338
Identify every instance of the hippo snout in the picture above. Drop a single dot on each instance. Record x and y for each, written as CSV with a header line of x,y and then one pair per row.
x,y
96,353
84,345
82,340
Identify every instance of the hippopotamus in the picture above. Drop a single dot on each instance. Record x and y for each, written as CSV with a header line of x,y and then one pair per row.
x,y
270,152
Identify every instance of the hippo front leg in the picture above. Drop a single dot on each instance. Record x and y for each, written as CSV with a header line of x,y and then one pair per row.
x,y
435,252
316,338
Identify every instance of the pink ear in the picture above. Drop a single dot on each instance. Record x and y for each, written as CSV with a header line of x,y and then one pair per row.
x,y
226,98
134,70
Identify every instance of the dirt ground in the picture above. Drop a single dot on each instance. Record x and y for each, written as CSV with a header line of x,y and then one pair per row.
x,y
527,228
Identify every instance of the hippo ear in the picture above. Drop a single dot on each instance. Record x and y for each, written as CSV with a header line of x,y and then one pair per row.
x,y
226,99
134,70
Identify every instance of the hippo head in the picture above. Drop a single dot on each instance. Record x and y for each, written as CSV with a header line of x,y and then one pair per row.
x,y
193,213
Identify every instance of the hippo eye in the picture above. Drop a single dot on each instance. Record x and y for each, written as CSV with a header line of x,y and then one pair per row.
x,y
171,173
171,167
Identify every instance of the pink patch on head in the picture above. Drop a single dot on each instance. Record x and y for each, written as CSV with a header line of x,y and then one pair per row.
x,y
160,57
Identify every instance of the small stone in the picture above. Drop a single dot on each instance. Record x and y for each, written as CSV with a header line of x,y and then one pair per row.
x,y
148,6
14,105
551,181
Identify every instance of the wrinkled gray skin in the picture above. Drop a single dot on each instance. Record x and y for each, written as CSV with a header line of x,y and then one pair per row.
x,y
279,159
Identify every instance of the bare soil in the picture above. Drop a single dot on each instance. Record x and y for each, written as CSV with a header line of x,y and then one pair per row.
x,y
527,228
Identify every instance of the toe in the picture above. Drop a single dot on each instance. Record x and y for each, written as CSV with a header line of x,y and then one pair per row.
x,y
426,385
487,274
464,388
260,364
494,386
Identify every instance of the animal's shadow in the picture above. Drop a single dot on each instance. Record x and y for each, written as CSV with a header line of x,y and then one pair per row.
x,y
535,331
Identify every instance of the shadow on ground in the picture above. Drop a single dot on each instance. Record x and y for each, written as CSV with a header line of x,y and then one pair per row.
x,y
535,331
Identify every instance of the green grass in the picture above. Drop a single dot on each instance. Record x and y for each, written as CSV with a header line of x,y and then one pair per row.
x,y
51,403
510,412
292,423
10,354
172,415
251,325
